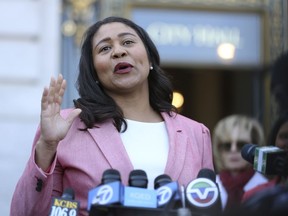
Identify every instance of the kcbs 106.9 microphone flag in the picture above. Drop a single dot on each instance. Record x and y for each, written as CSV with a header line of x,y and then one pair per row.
x,y
65,205
203,194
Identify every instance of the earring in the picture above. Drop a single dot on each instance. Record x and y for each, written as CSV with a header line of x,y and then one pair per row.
x,y
151,67
97,82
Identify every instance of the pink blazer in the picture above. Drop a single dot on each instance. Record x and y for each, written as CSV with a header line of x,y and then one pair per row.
x,y
83,156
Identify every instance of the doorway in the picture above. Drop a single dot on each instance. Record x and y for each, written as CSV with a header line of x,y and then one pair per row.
x,y
211,94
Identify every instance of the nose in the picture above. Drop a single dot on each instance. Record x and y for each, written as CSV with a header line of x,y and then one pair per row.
x,y
233,146
119,52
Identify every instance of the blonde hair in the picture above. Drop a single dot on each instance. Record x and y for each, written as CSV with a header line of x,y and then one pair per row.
x,y
223,130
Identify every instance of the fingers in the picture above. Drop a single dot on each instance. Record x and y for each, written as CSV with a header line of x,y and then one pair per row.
x,y
54,94
59,89
51,91
44,100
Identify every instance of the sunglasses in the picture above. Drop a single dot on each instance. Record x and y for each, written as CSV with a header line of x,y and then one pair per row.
x,y
227,146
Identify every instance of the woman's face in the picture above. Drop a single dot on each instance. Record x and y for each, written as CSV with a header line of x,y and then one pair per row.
x,y
282,137
120,59
230,150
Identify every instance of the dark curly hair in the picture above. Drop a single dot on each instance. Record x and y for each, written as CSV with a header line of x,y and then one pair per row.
x,y
279,82
96,105
282,119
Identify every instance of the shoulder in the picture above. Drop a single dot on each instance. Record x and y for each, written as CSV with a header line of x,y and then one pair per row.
x,y
77,121
184,123
65,112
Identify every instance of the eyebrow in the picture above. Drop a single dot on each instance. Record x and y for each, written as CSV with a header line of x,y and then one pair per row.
x,y
109,38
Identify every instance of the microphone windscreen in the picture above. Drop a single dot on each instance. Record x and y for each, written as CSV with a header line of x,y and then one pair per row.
x,y
248,152
207,173
110,175
68,194
138,178
161,180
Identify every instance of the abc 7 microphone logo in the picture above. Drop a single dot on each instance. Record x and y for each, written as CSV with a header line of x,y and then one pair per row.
x,y
164,194
103,195
202,192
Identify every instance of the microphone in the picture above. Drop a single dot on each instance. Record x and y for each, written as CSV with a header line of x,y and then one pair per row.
x,y
108,192
138,178
203,194
110,175
268,160
65,205
168,192
137,194
112,192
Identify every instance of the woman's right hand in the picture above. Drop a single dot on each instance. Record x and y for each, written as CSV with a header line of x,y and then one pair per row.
x,y
53,126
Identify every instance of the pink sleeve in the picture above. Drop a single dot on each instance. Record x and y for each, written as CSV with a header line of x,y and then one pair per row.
x,y
26,199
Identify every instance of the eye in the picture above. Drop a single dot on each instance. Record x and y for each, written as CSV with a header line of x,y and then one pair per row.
x,y
128,42
283,135
226,146
104,48
240,145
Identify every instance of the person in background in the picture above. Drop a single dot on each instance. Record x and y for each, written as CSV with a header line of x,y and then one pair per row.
x,y
279,85
124,119
270,198
234,174
278,137
279,132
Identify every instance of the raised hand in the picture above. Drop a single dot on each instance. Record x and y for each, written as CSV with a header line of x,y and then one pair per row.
x,y
53,126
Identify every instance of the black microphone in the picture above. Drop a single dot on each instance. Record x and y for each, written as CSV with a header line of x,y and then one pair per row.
x,y
65,205
168,192
268,160
138,178
137,194
110,175
161,180
203,194
109,192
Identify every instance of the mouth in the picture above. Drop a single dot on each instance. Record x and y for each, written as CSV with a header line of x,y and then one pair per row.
x,y
123,67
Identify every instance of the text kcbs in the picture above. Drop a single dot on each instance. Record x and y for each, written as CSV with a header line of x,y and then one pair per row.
x,y
63,207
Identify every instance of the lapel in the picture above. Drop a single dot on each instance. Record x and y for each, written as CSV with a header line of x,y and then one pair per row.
x,y
177,146
109,141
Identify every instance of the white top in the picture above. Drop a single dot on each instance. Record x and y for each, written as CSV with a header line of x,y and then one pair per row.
x,y
147,145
